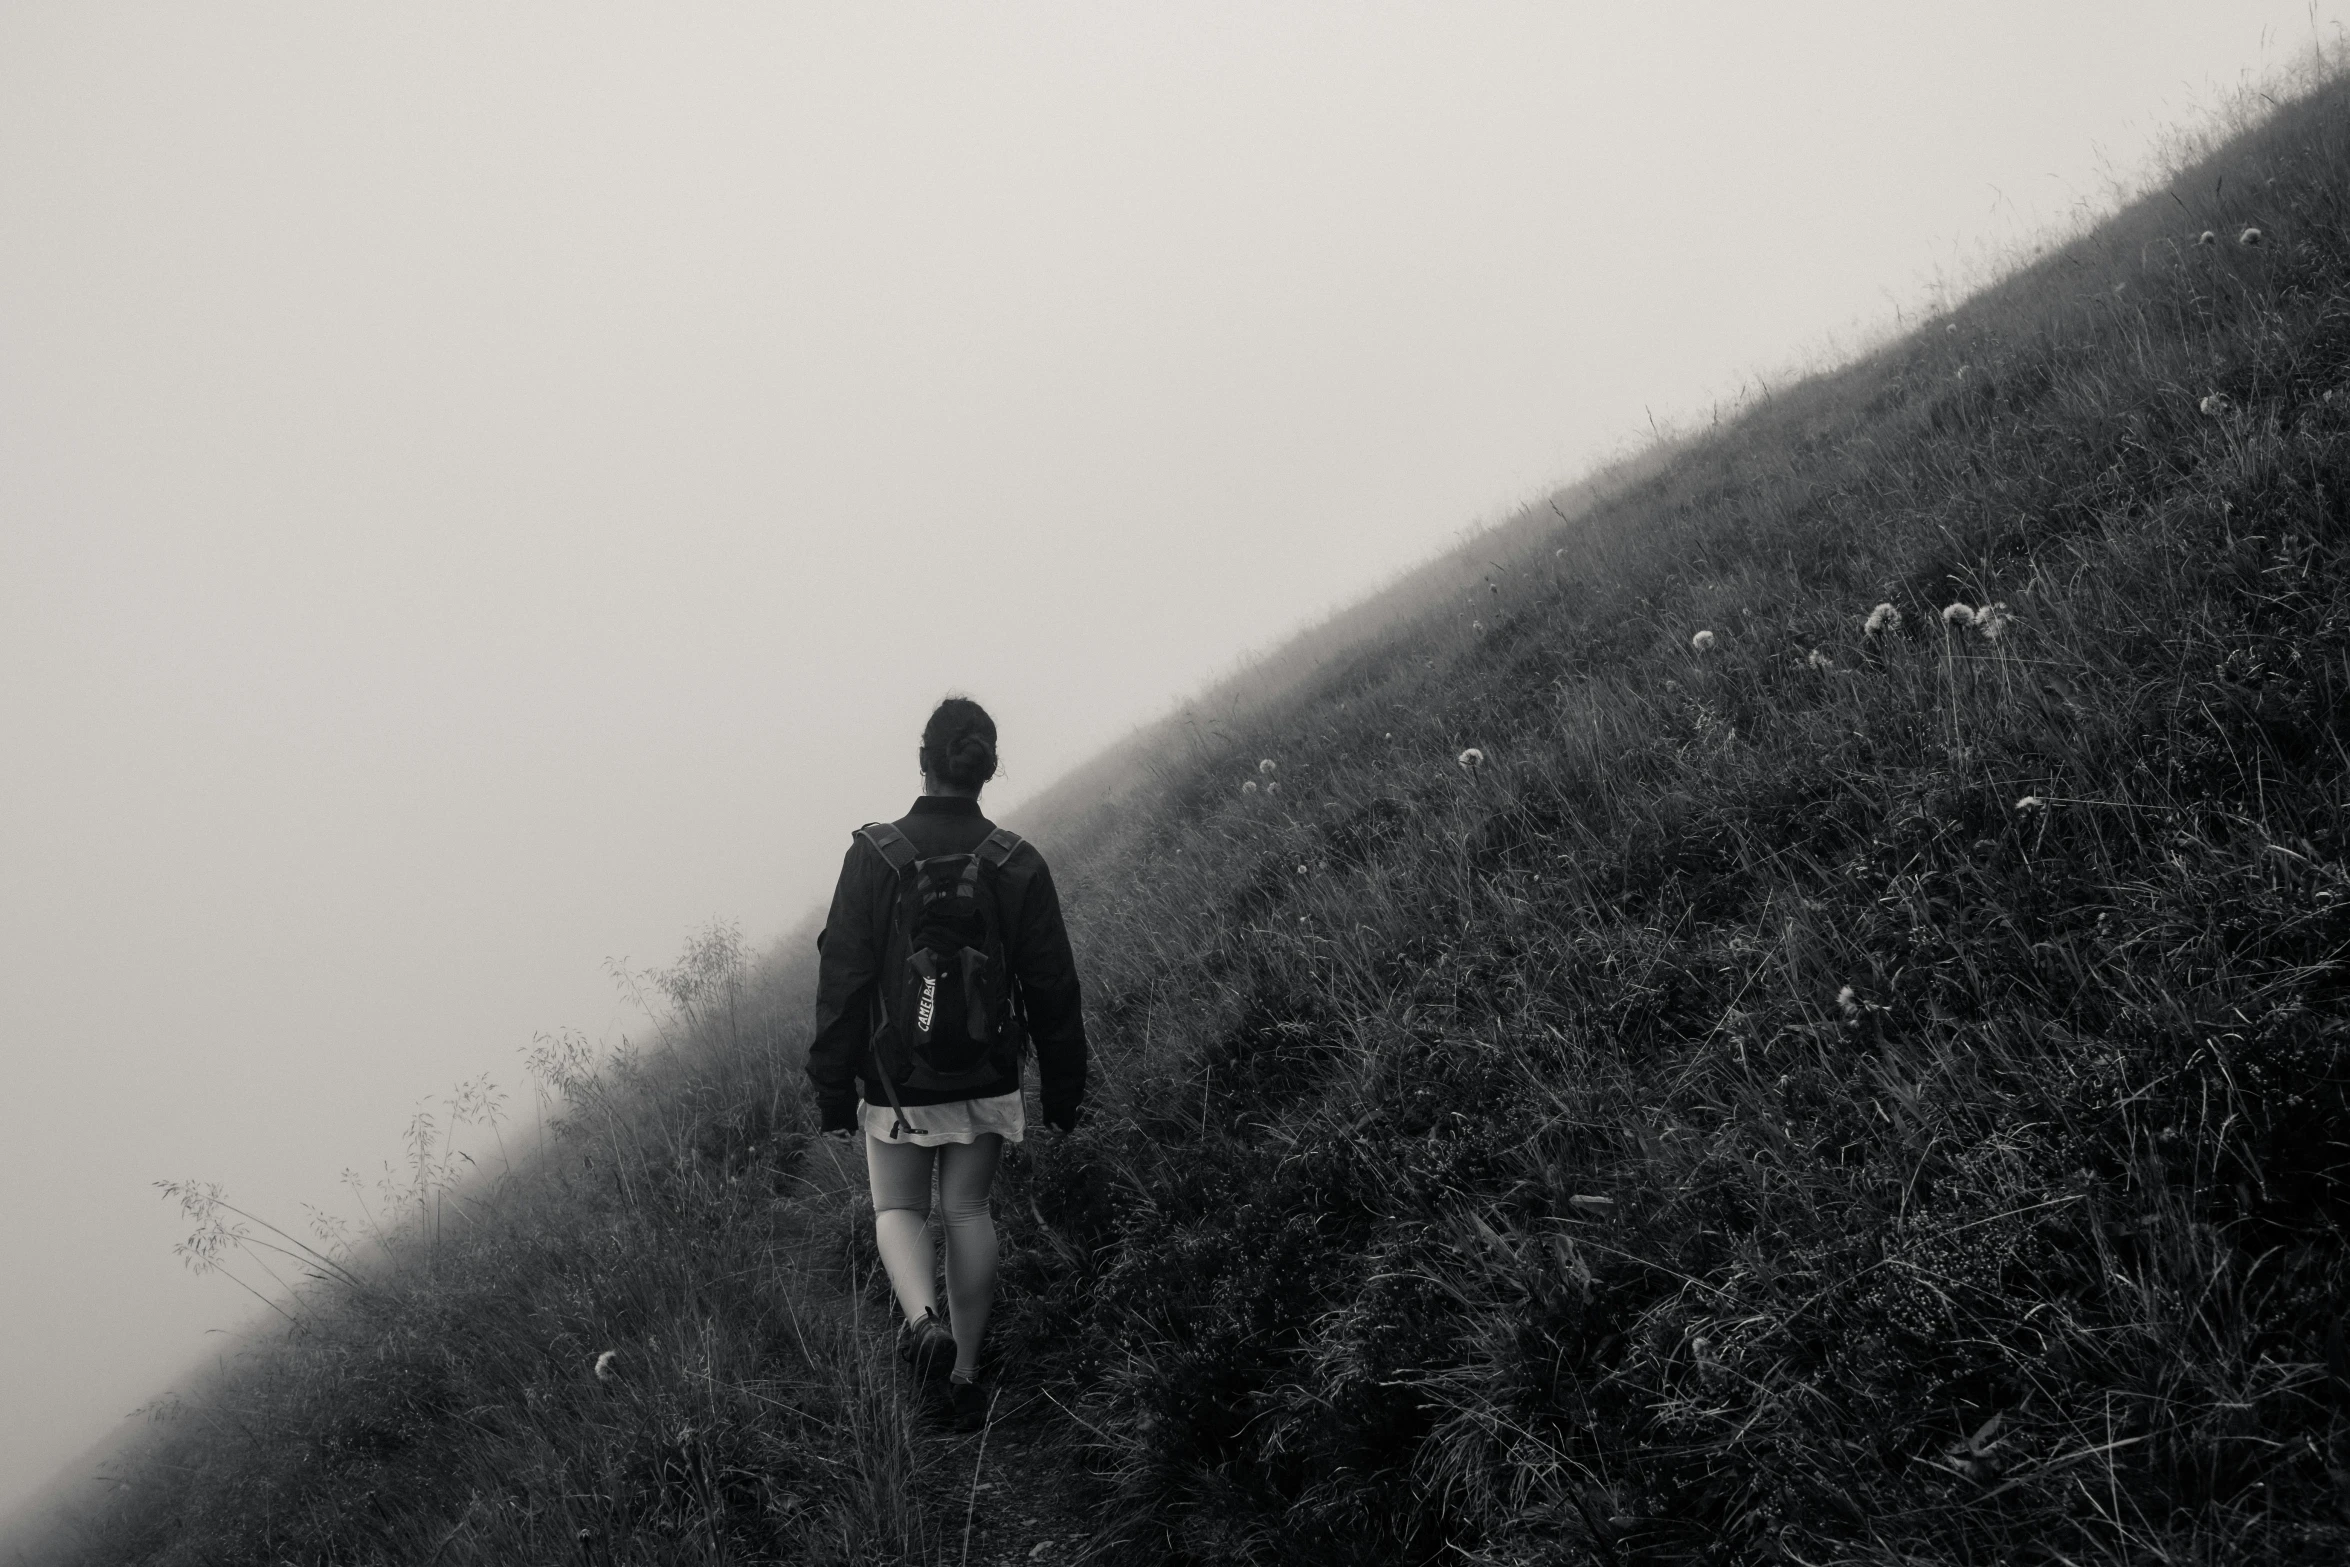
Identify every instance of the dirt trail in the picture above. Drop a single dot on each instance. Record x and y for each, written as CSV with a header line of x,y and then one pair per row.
x,y
1015,1492
1010,1494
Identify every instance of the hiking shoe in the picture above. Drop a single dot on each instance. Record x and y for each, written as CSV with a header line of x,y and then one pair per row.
x,y
966,1404
926,1346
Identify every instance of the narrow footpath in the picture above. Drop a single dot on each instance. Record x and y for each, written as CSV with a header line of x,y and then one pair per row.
x,y
1011,1493
1016,1491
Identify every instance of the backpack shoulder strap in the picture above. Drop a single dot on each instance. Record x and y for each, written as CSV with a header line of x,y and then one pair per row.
x,y
891,844
998,847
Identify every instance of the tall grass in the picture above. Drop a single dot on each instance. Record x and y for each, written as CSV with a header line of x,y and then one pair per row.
x,y
1817,1095
1832,1095
648,1343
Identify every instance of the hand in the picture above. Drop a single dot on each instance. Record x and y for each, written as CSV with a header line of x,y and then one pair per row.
x,y
841,1134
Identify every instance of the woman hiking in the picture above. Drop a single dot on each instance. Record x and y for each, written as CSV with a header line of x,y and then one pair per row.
x,y
942,960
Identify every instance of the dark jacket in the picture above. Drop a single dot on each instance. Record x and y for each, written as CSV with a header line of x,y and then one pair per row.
x,y
840,1060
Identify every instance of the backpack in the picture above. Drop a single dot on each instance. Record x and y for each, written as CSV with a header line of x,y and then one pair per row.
x,y
948,1017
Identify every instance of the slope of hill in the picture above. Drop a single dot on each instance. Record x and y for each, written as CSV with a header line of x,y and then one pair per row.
x,y
1797,1017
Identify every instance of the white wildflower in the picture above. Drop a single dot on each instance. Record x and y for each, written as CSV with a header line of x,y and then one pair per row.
x,y
1472,759
604,1371
1702,641
1302,871
2030,803
2217,403
1250,787
2251,236
1992,620
1849,1004
1882,620
1956,615
1820,660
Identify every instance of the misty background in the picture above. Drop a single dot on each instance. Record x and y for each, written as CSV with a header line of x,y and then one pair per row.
x,y
483,492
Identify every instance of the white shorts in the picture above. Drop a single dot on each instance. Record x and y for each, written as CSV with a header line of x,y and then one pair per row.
x,y
960,1121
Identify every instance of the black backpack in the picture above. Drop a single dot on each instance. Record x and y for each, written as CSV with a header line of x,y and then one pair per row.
x,y
948,1017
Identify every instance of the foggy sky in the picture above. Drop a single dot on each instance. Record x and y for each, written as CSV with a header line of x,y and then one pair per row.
x,y
485,490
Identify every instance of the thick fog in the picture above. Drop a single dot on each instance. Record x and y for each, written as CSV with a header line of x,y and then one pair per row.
x,y
487,489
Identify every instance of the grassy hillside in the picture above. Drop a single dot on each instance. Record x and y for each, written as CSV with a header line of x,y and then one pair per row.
x,y
1689,1065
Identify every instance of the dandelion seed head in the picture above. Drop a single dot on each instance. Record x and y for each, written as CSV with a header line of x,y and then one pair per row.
x,y
1820,660
1957,614
2207,238
1477,626
604,1371
1702,641
1962,370
1250,787
1268,767
1302,871
1992,621
2031,802
1472,759
1951,327
2217,403
1882,620
2251,236
1273,788
1848,1003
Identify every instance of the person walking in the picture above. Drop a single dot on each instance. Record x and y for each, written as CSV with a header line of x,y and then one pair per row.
x,y
943,962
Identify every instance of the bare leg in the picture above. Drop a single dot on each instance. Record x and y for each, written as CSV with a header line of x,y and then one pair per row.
x,y
966,1172
900,1177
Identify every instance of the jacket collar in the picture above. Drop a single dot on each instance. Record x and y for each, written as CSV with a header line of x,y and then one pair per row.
x,y
944,805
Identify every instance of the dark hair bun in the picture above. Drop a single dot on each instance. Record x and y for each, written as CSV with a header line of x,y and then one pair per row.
x,y
958,744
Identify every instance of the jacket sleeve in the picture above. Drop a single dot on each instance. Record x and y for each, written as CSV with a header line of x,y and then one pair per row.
x,y
847,963
1056,1011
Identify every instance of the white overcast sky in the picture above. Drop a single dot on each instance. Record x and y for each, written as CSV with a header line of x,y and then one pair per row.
x,y
483,489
